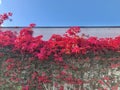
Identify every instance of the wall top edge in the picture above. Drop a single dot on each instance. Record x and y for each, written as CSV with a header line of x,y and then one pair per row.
x,y
62,26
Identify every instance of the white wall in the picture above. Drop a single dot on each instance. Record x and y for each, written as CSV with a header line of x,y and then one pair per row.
x,y
47,32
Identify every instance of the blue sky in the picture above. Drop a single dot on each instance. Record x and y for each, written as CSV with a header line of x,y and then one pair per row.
x,y
62,12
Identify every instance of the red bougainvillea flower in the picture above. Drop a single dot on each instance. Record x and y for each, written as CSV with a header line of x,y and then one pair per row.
x,y
76,50
32,25
4,17
25,87
34,75
73,31
7,38
10,60
61,87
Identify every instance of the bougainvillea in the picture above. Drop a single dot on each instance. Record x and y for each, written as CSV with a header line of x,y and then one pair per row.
x,y
4,17
63,62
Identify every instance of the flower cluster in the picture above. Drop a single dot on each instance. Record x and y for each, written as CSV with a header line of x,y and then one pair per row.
x,y
4,17
56,45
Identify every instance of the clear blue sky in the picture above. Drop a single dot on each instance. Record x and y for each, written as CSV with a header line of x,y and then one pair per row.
x,y
62,12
